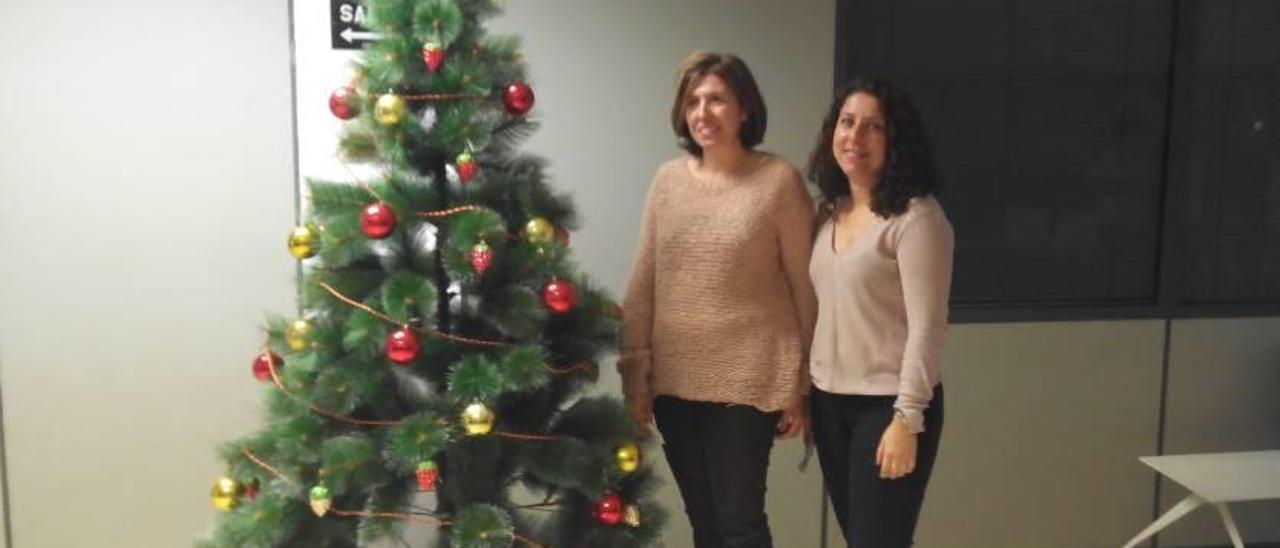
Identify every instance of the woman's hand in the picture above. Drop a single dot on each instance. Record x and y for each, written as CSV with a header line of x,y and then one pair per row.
x,y
641,409
896,454
795,417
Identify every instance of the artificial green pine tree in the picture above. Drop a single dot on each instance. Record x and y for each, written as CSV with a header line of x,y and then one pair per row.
x,y
446,340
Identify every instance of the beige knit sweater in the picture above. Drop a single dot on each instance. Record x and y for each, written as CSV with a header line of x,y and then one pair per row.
x,y
720,307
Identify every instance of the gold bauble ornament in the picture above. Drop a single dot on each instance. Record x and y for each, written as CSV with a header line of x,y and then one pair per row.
x,y
632,515
390,109
303,241
628,457
224,493
298,335
539,231
477,419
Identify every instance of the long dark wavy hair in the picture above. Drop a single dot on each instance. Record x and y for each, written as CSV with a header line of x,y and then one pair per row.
x,y
909,170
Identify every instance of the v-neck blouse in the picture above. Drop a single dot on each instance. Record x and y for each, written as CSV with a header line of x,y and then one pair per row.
x,y
882,308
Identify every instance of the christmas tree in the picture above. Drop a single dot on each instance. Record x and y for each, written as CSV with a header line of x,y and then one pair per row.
x,y
437,375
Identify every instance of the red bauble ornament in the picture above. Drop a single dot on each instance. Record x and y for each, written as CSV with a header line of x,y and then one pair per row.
x,y
427,475
251,490
262,365
466,166
403,346
562,236
609,510
518,98
378,221
433,56
481,257
344,103
559,295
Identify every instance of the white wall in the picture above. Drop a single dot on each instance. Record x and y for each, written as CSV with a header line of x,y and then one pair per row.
x,y
146,187
604,75
145,193
1046,421
1044,426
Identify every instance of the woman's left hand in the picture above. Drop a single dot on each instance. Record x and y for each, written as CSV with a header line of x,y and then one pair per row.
x,y
896,454
795,417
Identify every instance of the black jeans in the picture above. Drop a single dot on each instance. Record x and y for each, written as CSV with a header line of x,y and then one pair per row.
x,y
873,512
719,455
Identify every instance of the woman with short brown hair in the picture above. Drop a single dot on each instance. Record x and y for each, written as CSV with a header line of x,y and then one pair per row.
x,y
719,310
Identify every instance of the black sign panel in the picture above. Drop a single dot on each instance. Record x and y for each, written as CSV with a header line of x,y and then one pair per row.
x,y
346,24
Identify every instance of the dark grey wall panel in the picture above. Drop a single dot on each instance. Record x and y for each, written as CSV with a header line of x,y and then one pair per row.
x,y
1224,395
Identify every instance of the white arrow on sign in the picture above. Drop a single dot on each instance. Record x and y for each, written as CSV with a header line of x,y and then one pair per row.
x,y
351,35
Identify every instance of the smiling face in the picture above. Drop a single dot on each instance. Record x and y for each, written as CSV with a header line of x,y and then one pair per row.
x,y
713,113
861,138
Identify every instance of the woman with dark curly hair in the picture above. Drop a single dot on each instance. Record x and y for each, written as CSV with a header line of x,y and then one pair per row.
x,y
881,267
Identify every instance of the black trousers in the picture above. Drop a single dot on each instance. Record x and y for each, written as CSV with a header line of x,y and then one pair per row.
x,y
873,512
719,455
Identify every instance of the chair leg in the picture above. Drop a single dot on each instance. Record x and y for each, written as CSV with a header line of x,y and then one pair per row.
x,y
1186,505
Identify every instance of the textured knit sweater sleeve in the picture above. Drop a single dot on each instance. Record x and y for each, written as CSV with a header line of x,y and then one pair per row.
x,y
924,257
636,361
795,240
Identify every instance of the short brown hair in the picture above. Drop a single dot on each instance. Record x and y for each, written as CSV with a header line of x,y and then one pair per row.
x,y
738,77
